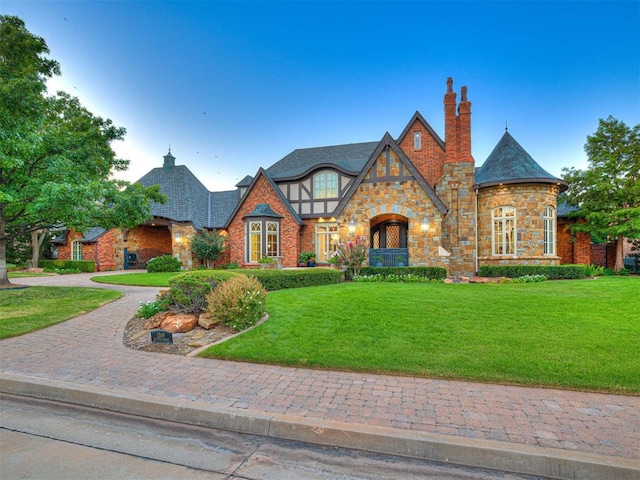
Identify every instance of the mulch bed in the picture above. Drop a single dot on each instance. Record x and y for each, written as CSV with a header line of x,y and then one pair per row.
x,y
137,338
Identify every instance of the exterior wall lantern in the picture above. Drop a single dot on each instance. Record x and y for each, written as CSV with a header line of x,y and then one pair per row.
x,y
424,224
352,226
179,238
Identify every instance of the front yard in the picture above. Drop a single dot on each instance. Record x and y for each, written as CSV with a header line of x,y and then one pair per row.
x,y
582,334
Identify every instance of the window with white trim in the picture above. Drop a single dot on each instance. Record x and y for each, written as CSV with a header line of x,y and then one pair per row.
x,y
504,231
263,239
325,185
327,240
76,250
549,220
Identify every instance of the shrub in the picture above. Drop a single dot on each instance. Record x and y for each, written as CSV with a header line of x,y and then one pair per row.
x,y
149,309
238,302
353,255
393,278
188,291
281,279
593,271
165,263
530,279
552,272
207,246
430,273
68,266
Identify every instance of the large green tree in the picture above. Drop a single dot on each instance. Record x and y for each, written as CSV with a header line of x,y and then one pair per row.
x,y
56,160
608,191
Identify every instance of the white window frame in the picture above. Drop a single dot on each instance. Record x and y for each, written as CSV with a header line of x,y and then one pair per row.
x,y
325,185
504,232
327,238
549,229
268,232
76,250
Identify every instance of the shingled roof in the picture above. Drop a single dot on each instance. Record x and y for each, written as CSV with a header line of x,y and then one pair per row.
x,y
350,158
188,199
510,163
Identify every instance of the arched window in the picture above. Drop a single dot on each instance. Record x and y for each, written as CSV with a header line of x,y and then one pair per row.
x,y
325,185
549,219
504,231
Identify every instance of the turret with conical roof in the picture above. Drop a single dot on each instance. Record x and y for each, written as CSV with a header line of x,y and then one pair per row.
x,y
510,163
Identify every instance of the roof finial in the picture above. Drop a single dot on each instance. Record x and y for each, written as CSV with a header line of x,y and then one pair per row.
x,y
506,126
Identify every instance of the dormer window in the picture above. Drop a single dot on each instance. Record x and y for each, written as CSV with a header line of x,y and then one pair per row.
x,y
417,140
325,185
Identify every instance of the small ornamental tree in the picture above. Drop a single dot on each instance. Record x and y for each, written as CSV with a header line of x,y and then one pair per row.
x,y
354,254
208,246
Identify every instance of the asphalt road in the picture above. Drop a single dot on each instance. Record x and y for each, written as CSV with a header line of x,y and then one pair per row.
x,y
47,440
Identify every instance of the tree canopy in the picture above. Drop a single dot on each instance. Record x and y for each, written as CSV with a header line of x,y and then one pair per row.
x,y
208,246
608,191
56,160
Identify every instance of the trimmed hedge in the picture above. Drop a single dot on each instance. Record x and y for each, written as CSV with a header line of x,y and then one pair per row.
x,y
274,279
552,272
82,265
432,273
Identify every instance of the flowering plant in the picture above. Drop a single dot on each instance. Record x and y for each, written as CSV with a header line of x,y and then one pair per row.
x,y
336,259
354,255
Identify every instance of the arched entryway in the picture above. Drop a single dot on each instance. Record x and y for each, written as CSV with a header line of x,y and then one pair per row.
x,y
388,241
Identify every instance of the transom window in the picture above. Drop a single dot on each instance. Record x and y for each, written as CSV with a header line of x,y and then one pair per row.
x,y
504,231
549,219
325,185
76,250
263,239
327,240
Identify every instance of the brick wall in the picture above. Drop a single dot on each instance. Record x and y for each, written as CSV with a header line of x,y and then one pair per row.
x,y
262,192
573,248
146,241
429,159
603,254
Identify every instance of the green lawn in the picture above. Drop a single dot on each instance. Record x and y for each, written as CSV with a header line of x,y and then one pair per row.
x,y
156,279
580,334
29,309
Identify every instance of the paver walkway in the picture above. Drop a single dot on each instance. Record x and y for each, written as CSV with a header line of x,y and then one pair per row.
x,y
88,350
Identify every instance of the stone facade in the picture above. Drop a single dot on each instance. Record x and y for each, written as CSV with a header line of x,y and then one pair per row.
x,y
529,200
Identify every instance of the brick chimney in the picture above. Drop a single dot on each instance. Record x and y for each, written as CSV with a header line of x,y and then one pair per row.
x,y
457,126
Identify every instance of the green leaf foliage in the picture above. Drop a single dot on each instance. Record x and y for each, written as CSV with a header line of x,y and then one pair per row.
x,y
608,191
56,160
207,246
551,272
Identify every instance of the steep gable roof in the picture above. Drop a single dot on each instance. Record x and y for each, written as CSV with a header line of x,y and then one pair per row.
x,y
510,163
388,141
418,117
283,199
187,197
221,204
349,158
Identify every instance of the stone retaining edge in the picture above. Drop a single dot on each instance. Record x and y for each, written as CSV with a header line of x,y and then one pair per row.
x,y
522,459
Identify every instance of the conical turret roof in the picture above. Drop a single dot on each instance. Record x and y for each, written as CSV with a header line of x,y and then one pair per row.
x,y
510,163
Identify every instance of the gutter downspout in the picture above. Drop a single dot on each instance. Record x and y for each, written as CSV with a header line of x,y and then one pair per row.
x,y
476,230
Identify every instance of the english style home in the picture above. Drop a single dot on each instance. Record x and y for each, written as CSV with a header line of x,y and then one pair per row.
x,y
417,199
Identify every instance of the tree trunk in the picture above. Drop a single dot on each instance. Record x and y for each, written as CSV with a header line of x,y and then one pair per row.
x,y
619,253
4,277
37,237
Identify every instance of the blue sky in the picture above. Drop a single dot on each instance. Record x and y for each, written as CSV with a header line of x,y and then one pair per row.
x,y
233,86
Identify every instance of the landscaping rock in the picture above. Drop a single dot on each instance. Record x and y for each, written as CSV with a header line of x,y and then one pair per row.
x,y
155,321
179,323
34,270
206,322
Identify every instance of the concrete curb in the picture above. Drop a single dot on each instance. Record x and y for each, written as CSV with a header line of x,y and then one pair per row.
x,y
522,459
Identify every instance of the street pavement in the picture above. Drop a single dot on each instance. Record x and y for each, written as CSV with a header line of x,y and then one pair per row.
x,y
557,433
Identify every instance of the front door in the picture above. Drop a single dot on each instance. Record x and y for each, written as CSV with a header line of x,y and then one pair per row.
x,y
392,234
